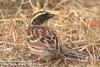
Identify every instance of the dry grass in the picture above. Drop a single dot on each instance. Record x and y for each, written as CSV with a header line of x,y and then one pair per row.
x,y
79,41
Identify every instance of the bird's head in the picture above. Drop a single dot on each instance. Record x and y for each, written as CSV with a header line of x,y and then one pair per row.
x,y
39,18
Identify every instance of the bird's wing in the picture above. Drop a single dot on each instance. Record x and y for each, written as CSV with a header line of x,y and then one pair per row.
x,y
50,37
33,34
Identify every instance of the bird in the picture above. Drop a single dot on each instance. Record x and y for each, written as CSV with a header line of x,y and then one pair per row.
x,y
38,30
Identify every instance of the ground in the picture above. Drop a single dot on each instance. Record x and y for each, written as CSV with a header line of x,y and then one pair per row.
x,y
77,25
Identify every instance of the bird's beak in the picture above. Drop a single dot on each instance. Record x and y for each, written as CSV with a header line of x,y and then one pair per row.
x,y
51,15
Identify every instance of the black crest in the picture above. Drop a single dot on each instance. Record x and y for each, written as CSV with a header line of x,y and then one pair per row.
x,y
40,17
